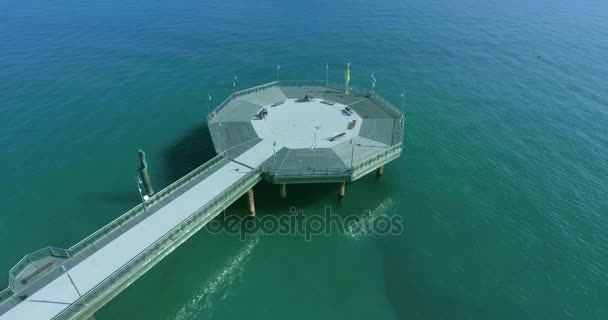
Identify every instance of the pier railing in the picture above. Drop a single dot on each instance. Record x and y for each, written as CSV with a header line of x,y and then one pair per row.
x,y
83,249
377,160
160,248
350,173
35,256
138,213
380,101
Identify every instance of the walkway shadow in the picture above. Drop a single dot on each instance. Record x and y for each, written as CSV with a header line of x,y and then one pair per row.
x,y
114,197
189,152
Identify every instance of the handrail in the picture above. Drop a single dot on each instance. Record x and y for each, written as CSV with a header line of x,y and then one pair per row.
x,y
80,250
6,293
34,256
156,198
319,83
349,171
158,246
362,166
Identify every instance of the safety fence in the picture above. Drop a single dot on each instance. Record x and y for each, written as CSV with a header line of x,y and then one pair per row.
x,y
83,249
160,248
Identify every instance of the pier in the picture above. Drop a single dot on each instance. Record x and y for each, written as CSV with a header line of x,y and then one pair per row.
x,y
284,132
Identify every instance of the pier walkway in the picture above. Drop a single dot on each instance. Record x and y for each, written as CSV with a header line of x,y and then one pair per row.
x,y
171,218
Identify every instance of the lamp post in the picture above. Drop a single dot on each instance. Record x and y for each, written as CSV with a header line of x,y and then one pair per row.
x,y
209,103
274,157
219,138
352,154
138,182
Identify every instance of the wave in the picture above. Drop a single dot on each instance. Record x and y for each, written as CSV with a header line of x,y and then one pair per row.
x,y
362,227
205,298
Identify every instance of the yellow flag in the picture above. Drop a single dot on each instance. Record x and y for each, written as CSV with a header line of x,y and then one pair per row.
x,y
347,77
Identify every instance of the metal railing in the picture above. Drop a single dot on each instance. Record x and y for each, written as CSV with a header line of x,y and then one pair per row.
x,y
305,171
78,248
353,171
313,83
373,162
380,101
35,256
302,83
206,213
98,239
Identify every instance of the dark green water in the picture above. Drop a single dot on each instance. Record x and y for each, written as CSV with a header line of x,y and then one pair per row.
x,y
502,185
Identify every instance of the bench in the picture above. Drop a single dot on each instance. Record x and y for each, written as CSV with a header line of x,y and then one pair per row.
x,y
37,272
337,136
352,124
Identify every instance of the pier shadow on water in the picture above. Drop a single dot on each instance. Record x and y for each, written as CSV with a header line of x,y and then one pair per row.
x,y
189,152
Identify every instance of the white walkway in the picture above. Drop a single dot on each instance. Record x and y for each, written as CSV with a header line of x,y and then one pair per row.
x,y
60,293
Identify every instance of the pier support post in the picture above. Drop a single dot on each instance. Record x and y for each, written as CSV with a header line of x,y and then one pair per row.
x,y
342,189
251,203
143,171
380,171
283,190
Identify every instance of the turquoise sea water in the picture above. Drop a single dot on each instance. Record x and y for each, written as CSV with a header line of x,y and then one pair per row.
x,y
502,186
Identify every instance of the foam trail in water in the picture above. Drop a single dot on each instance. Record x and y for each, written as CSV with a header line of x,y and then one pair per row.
x,y
204,299
362,227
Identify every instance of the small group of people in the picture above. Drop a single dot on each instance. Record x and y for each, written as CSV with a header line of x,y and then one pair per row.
x,y
307,98
262,114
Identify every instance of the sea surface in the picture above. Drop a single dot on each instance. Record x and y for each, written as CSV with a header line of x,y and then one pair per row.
x,y
502,186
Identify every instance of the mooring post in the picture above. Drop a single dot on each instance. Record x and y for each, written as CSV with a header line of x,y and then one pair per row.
x,y
380,171
283,190
342,189
251,203
143,171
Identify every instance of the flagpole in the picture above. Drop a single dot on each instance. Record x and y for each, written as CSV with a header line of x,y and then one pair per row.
x,y
347,78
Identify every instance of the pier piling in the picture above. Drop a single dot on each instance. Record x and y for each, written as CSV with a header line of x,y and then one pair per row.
x,y
342,189
380,171
283,190
251,203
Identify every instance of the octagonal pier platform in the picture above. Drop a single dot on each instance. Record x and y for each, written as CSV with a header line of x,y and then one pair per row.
x,y
308,132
